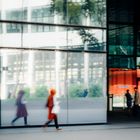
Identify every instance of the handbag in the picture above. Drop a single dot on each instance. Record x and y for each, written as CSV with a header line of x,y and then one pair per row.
x,y
56,109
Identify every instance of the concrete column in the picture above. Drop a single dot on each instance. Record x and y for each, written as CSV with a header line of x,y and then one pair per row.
x,y
30,80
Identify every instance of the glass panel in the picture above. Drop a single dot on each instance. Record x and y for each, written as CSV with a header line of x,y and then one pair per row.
x,y
0,28
17,15
42,14
16,28
0,24
138,50
79,12
91,39
35,73
56,58
121,11
51,37
121,40
138,43
138,62
86,88
121,62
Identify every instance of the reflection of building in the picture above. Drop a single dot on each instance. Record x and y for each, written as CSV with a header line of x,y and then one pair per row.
x,y
29,69
61,45
123,45
19,36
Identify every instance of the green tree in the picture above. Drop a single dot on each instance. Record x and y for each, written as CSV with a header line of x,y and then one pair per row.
x,y
95,91
88,38
41,91
27,92
71,12
57,5
74,11
88,7
76,90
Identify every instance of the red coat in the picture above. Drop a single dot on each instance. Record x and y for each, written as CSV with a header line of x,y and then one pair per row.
x,y
49,105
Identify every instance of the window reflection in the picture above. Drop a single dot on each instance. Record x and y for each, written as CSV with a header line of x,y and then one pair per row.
x,y
121,40
36,56
121,62
42,14
79,12
59,37
19,15
74,75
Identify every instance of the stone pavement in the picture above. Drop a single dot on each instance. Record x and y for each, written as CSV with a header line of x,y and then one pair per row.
x,y
123,131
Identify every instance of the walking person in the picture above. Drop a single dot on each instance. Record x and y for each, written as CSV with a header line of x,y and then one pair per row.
x,y
128,100
136,97
136,102
50,106
21,108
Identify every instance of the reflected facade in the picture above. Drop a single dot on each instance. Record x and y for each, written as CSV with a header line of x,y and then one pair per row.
x,y
45,44
123,46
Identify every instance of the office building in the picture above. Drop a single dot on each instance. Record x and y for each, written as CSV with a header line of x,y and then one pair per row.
x,y
88,50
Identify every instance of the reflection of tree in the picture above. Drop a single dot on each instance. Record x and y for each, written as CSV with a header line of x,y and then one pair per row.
x,y
41,91
83,12
76,90
75,12
88,8
88,38
69,10
95,90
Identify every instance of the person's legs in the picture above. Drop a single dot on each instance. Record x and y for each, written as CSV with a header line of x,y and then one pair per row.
x,y
56,123
48,122
14,120
135,110
25,120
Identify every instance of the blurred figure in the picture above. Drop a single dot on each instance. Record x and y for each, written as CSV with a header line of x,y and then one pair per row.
x,y
49,105
9,95
128,100
85,93
21,108
136,102
136,97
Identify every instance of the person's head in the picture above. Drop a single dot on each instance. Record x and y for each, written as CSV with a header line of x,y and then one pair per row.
x,y
52,91
20,93
135,88
127,90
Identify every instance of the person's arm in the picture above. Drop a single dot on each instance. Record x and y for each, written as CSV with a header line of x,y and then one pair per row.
x,y
47,103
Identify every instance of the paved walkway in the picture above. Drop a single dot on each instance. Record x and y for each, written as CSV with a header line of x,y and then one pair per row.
x,y
125,131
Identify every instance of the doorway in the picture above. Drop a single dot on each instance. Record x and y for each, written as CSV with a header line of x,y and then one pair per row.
x,y
121,80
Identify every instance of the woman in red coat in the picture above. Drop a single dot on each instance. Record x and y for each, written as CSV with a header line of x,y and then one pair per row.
x,y
50,104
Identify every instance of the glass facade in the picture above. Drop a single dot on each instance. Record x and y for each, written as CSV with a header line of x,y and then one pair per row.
x,y
121,40
44,44
79,12
123,46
